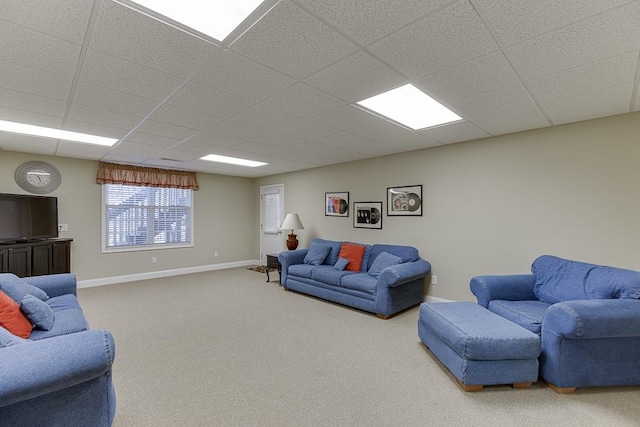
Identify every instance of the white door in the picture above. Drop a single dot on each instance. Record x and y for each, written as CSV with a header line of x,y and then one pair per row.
x,y
271,216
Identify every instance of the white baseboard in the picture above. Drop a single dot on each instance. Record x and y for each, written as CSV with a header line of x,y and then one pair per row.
x,y
429,298
164,273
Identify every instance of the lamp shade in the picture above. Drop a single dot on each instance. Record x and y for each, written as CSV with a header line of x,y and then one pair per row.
x,y
292,222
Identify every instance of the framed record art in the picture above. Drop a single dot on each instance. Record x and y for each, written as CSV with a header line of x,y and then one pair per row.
x,y
404,201
336,204
367,215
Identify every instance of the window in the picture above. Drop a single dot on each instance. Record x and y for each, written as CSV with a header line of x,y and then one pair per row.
x,y
271,212
140,217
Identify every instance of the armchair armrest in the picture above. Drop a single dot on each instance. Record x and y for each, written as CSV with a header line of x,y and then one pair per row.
x,y
400,274
594,318
511,287
55,284
37,368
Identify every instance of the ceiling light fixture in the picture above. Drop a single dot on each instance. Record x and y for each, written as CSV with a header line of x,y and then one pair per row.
x,y
232,160
411,107
216,19
25,129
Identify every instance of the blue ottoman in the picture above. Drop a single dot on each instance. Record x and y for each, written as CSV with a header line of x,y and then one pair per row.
x,y
479,347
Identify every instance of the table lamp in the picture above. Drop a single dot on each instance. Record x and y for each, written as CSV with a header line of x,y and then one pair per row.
x,y
292,222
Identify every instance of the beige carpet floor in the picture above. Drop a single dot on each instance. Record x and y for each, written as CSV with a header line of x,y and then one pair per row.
x,y
225,348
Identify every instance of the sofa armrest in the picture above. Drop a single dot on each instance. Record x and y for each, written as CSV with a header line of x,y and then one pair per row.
x,y
400,274
511,287
592,319
55,284
288,258
37,368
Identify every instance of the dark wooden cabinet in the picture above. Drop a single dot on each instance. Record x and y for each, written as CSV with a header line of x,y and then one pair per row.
x,y
36,258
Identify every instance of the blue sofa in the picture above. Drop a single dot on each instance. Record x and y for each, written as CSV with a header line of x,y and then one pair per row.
x,y
386,287
587,315
61,376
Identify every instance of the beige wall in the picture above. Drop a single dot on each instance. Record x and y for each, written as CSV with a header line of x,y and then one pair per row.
x,y
224,220
491,206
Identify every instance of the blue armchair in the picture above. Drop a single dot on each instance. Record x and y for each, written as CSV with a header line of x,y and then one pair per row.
x,y
588,318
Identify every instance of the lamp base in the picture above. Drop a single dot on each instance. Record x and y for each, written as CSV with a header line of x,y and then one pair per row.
x,y
292,242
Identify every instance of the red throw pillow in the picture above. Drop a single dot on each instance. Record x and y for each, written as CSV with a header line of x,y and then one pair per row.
x,y
354,253
12,319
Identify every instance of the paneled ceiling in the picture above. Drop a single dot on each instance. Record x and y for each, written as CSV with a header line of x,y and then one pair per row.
x,y
283,92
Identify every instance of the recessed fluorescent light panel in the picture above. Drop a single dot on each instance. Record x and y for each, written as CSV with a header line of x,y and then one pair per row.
x,y
232,160
65,135
411,107
215,18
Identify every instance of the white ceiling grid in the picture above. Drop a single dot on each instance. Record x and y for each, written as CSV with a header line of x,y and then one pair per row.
x,y
284,91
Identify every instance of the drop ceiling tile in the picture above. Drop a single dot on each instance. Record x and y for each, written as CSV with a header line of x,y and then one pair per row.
x,y
356,77
585,106
489,72
27,144
290,40
495,101
98,116
309,129
347,118
35,82
81,151
449,37
33,49
234,74
303,100
517,20
65,19
277,139
611,34
29,117
395,136
587,78
157,45
252,148
112,100
182,154
160,142
266,117
209,101
521,119
237,130
165,129
209,139
371,20
32,103
117,74
130,157
94,129
128,146
455,132
343,140
186,118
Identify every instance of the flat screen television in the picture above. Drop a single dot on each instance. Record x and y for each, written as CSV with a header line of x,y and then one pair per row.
x,y
25,218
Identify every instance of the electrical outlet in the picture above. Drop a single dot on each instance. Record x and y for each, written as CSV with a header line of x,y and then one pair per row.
x,y
154,260
434,280
215,253
63,227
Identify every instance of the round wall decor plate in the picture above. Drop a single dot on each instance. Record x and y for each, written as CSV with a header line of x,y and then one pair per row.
x,y
38,177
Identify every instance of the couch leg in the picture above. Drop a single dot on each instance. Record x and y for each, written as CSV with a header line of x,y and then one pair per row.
x,y
522,385
561,390
383,316
469,388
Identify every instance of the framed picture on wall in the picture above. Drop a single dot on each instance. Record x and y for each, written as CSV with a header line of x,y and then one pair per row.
x,y
336,204
367,215
404,201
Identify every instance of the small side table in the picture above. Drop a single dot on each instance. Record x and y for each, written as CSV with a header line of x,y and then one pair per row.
x,y
272,262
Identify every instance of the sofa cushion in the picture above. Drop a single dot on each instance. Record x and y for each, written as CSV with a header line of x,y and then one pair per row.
x,y
17,288
334,253
39,313
406,253
382,261
560,280
69,318
12,319
317,253
301,270
354,253
360,282
7,339
329,275
341,264
527,314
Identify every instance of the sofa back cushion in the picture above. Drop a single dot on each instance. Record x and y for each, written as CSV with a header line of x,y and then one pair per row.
x,y
560,280
405,253
333,254
317,253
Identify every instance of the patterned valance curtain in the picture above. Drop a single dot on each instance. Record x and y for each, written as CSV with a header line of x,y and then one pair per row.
x,y
114,173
